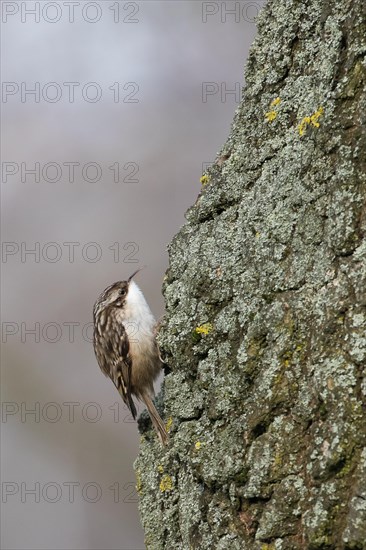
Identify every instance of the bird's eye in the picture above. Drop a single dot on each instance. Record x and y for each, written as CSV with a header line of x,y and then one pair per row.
x,y
122,292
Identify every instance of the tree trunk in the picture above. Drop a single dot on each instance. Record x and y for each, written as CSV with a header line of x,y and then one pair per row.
x,y
266,309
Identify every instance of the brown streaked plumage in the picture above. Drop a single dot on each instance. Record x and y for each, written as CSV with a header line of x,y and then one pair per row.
x,y
125,346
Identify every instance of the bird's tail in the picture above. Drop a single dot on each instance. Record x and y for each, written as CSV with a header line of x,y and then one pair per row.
x,y
155,419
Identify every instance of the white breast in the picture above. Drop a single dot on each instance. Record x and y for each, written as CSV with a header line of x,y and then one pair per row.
x,y
136,307
138,320
139,323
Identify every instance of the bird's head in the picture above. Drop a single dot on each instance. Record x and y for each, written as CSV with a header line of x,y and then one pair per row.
x,y
115,295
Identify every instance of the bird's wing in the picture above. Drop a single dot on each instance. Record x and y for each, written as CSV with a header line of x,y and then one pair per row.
x,y
122,378
123,385
112,353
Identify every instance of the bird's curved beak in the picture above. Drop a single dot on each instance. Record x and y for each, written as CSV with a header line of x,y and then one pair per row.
x,y
135,273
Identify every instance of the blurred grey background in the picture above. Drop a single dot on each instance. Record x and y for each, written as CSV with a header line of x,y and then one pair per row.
x,y
110,113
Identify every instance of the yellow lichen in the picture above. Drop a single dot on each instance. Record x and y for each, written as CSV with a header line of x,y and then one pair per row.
x,y
275,102
271,115
160,468
138,482
205,179
169,424
204,329
315,117
166,484
303,125
312,119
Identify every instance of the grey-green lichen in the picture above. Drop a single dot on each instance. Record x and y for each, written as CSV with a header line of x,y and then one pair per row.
x,y
265,330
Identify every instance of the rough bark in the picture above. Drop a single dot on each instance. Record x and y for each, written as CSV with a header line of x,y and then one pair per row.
x,y
266,309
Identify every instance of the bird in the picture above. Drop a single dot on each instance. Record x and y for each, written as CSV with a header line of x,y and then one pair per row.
x,y
125,346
